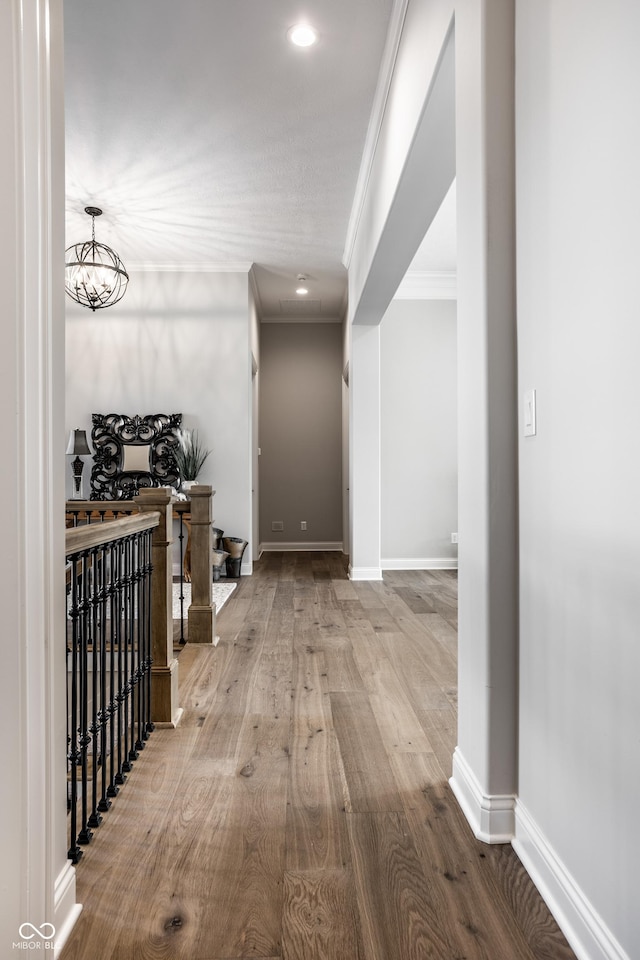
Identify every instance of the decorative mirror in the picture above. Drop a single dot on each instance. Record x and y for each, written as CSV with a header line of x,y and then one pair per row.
x,y
133,452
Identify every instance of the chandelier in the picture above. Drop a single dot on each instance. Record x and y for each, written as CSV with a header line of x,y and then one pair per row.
x,y
95,276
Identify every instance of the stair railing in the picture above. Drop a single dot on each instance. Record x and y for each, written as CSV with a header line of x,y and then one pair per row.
x,y
109,657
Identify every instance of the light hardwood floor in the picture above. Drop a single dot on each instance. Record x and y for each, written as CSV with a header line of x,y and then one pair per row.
x,y
301,810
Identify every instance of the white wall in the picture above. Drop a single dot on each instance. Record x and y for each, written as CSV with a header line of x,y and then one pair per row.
x,y
418,434
176,343
578,156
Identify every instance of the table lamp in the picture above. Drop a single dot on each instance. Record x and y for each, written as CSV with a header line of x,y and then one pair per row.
x,y
78,447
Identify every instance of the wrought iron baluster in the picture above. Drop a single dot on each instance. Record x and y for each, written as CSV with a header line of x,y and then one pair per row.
x,y
104,712
136,672
120,642
84,738
112,789
128,654
149,726
181,576
74,754
94,642
142,646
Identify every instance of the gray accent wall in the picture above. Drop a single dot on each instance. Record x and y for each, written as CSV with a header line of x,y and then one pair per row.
x,y
301,432
419,462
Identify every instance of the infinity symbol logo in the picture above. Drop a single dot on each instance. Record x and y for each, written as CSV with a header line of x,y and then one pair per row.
x,y
39,931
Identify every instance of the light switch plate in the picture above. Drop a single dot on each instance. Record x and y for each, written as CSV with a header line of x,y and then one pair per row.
x,y
529,411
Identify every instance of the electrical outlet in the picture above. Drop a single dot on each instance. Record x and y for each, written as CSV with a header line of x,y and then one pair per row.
x,y
454,538
277,526
303,524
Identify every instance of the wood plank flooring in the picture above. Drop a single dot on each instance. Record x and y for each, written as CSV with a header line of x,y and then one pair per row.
x,y
301,811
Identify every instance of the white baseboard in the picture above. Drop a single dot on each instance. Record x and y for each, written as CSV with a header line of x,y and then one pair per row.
x,y
269,546
587,934
365,573
420,563
65,909
490,816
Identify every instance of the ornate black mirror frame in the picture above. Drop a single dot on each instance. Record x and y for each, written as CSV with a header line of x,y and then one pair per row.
x,y
112,433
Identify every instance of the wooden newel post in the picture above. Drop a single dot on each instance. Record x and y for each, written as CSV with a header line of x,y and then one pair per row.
x,y
164,671
202,612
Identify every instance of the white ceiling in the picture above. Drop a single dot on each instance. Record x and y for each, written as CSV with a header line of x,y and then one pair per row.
x,y
207,138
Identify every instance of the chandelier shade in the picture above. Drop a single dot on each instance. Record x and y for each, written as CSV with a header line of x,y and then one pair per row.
x,y
95,276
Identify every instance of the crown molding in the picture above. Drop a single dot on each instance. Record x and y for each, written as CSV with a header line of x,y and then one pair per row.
x,y
232,266
428,285
387,67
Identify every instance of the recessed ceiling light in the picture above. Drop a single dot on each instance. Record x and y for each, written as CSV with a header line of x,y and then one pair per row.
x,y
302,35
301,290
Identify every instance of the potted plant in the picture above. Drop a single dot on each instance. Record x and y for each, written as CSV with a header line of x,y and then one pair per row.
x,y
190,455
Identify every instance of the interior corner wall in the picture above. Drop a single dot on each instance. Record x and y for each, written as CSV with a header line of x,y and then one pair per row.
x,y
419,475
37,881
254,327
301,434
578,155
346,545
176,343
485,760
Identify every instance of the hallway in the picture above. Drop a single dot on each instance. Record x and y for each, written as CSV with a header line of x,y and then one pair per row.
x,y
301,809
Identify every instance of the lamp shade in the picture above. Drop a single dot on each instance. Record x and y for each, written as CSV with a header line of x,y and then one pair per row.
x,y
77,444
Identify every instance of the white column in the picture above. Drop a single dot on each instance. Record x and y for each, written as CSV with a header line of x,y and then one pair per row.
x,y
37,882
485,762
364,453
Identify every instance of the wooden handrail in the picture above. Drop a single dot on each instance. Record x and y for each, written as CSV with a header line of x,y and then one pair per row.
x,y
91,535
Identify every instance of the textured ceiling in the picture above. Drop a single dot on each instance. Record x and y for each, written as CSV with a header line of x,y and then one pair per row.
x,y
207,138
